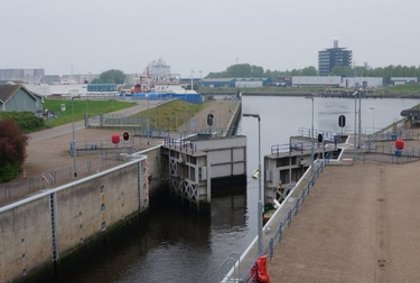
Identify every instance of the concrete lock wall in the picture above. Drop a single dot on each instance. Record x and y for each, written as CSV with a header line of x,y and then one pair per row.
x,y
25,239
43,228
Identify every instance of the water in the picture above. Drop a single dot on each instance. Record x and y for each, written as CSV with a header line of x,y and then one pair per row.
x,y
176,245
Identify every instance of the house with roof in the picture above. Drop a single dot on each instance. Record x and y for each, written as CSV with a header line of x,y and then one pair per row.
x,y
18,98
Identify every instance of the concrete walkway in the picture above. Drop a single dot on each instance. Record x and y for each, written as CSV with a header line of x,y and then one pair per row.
x,y
359,224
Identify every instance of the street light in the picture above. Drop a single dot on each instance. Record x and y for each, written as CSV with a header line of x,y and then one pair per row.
x,y
73,143
260,205
360,120
373,119
312,133
148,119
355,121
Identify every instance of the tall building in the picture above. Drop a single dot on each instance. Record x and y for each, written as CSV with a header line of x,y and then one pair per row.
x,y
332,57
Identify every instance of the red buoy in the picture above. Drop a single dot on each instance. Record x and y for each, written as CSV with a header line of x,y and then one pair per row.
x,y
399,144
115,138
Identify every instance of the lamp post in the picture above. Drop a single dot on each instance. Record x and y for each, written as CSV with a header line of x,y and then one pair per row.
x,y
73,143
148,120
360,121
373,119
312,133
192,79
260,204
355,121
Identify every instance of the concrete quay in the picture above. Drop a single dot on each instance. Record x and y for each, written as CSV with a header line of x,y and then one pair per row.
x,y
358,224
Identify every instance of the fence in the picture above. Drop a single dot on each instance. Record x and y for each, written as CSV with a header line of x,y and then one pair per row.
x,y
273,230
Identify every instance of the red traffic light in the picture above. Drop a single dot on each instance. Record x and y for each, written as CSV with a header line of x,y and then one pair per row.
x,y
126,136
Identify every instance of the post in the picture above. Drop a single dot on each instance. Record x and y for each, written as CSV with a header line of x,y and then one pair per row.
x,y
148,120
312,133
373,119
192,80
260,203
73,143
360,122
355,123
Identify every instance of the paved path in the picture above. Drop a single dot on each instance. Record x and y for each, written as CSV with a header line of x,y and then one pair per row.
x,y
360,224
78,125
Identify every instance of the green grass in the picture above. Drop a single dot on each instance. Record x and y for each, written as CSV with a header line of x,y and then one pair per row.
x,y
170,116
92,107
404,89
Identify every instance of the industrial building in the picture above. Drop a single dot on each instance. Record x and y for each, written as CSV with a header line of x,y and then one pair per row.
x,y
29,76
337,81
235,82
333,57
404,80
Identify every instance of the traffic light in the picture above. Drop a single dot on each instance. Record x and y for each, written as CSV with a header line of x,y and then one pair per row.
x,y
126,136
341,121
210,119
320,138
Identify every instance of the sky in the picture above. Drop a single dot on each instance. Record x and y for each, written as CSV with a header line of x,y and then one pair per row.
x,y
92,36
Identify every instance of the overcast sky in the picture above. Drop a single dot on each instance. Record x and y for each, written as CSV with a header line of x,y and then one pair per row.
x,y
91,36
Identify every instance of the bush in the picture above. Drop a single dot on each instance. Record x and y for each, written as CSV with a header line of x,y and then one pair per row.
x,y
12,150
27,121
8,171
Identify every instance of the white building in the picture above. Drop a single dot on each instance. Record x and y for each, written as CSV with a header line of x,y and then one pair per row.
x,y
330,81
404,80
30,76
248,82
336,81
58,89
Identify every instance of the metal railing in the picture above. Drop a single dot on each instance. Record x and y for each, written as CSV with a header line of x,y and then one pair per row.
x,y
327,135
273,230
15,190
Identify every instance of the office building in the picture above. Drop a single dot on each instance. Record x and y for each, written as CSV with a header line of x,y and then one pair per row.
x,y
333,57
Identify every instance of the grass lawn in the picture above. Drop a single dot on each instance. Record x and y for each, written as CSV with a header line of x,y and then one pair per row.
x,y
93,107
170,116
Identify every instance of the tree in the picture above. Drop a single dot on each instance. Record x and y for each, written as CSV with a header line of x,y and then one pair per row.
x,y
12,150
112,76
343,71
309,71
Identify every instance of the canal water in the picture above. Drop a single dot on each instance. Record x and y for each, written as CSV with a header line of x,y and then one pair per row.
x,y
173,244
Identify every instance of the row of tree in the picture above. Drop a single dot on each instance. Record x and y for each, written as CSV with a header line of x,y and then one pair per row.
x,y
253,71
247,71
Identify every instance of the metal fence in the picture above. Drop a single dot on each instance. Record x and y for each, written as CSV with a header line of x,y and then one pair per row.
x,y
12,191
273,230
